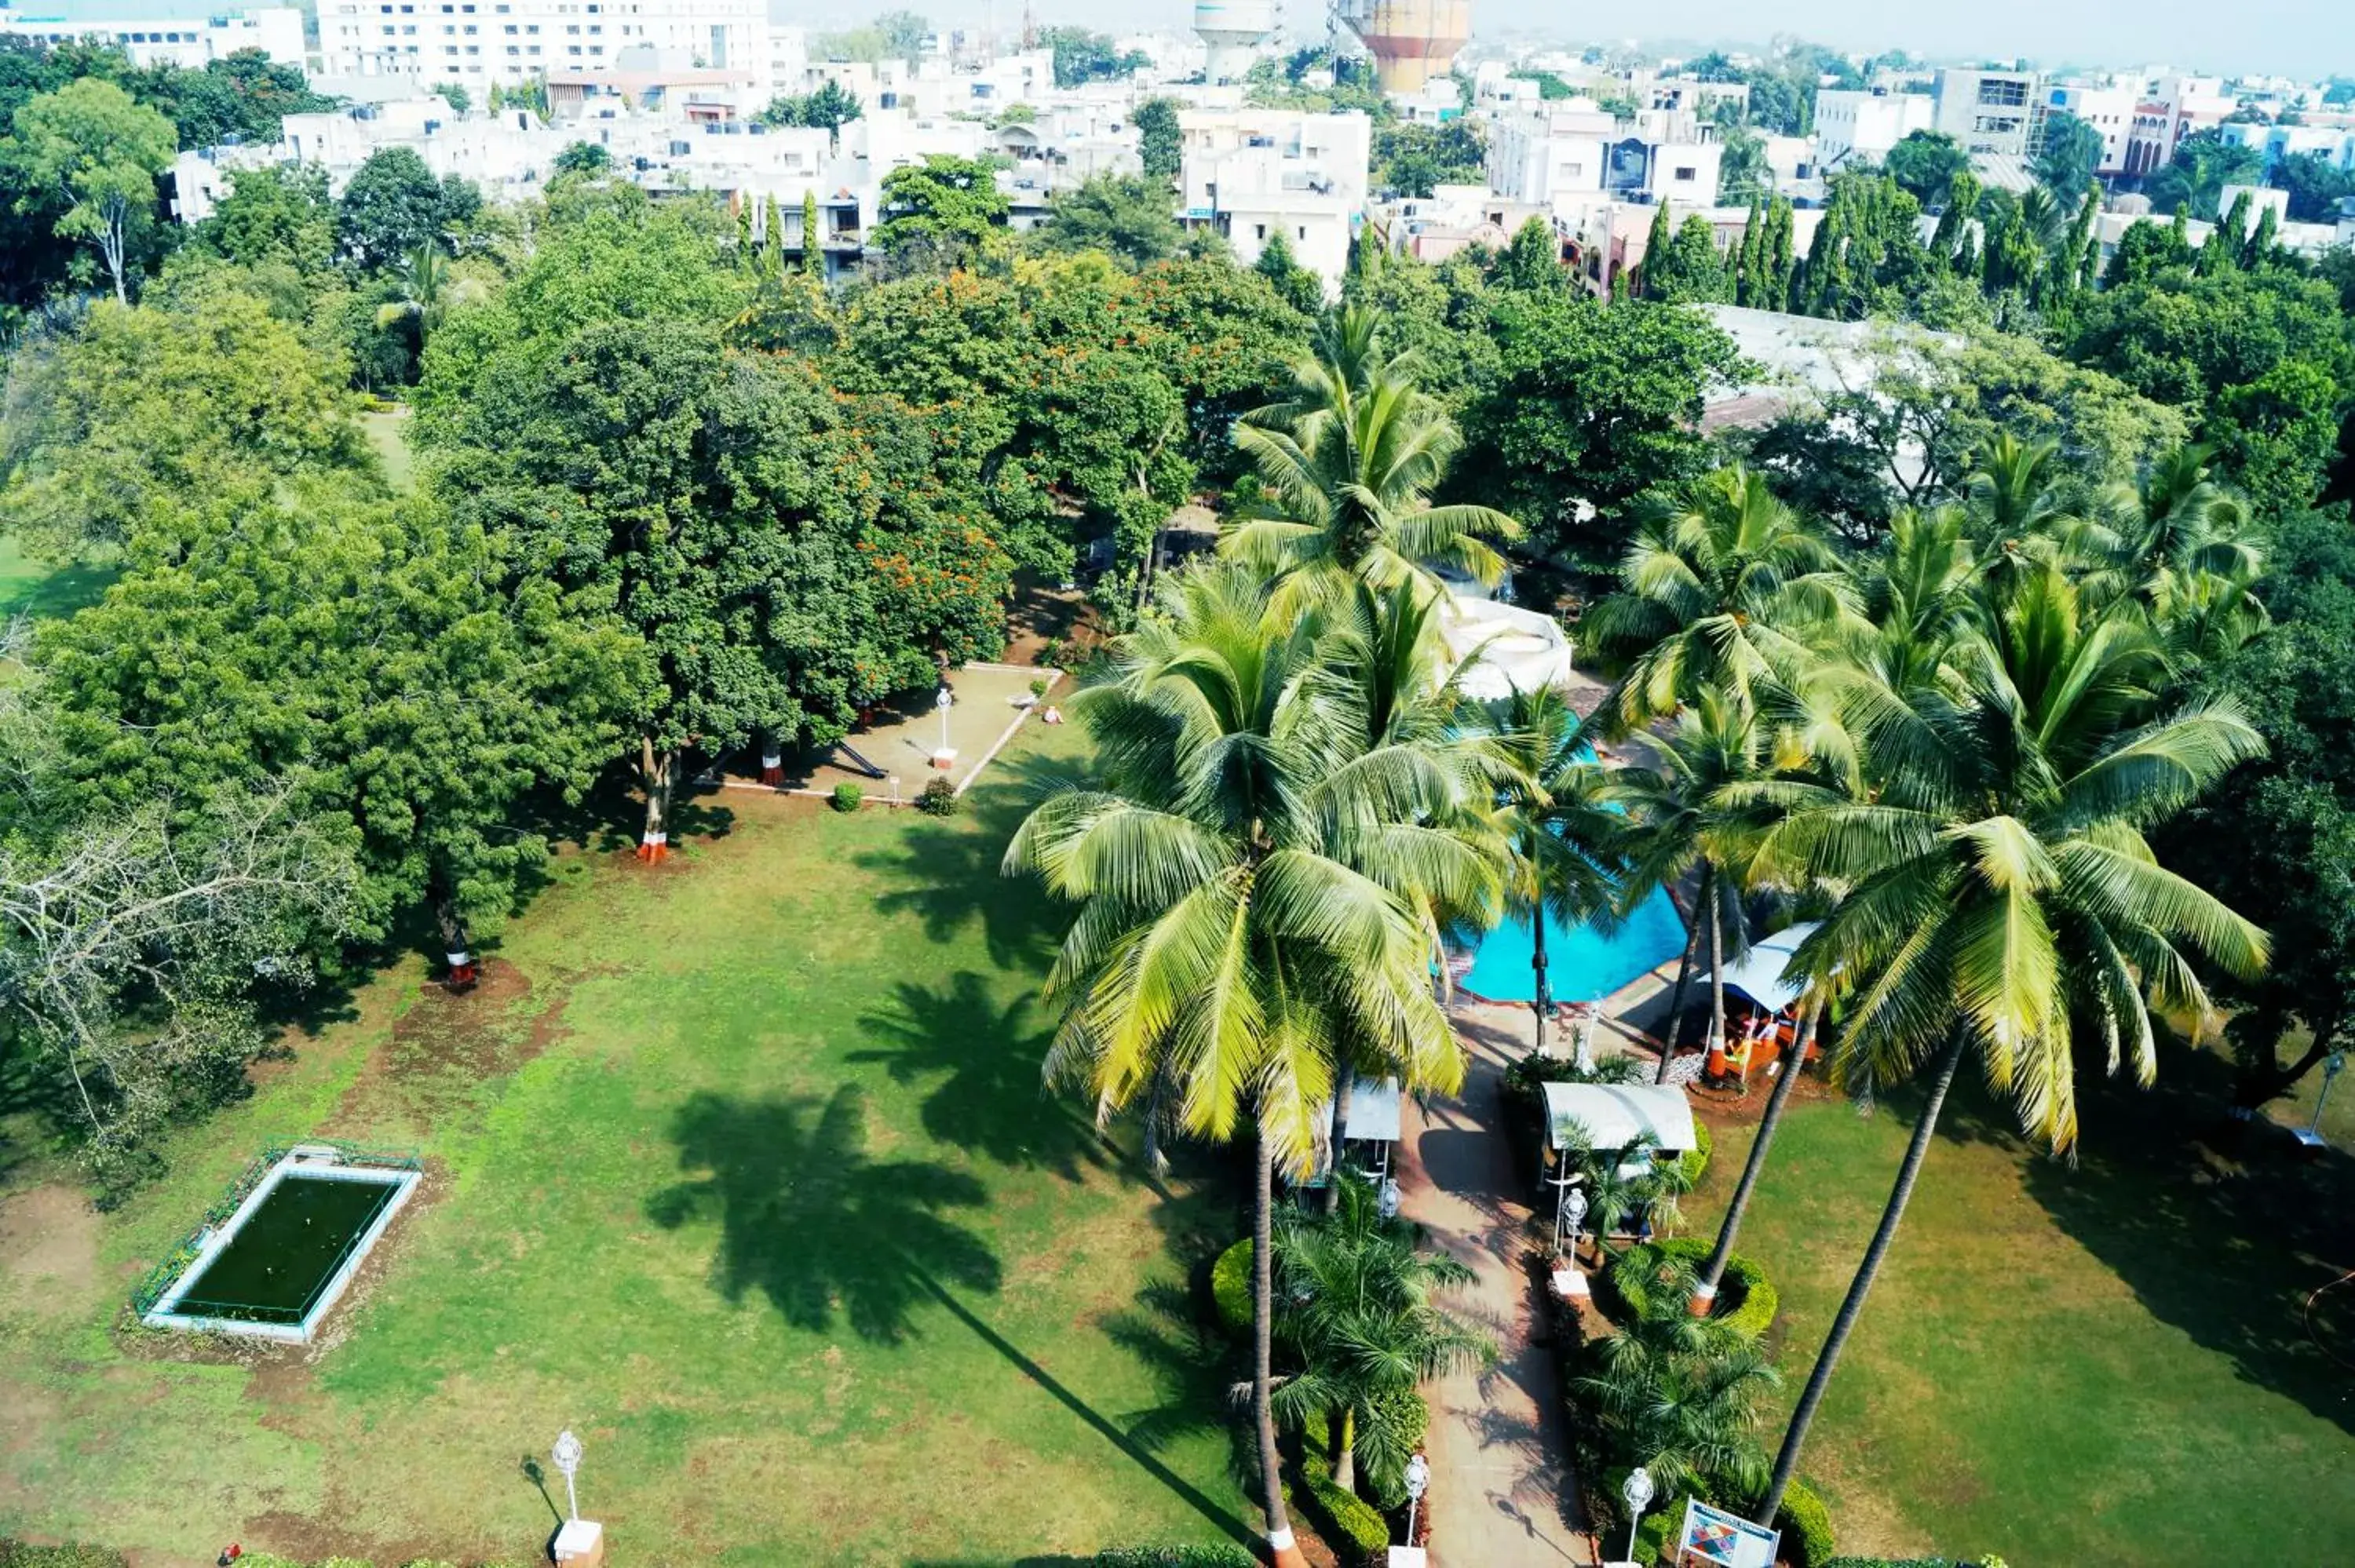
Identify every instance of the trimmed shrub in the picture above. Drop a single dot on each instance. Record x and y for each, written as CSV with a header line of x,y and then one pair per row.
x,y
1225,1555
939,798
1354,1528
1807,1526
1230,1289
1695,1160
847,796
73,1554
1037,688
1746,1300
1989,1561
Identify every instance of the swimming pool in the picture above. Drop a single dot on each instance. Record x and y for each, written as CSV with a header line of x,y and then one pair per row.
x,y
1581,963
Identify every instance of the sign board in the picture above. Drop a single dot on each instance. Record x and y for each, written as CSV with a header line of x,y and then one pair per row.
x,y
1715,1539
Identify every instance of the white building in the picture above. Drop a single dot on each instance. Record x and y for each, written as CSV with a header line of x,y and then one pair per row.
x,y
187,39
1988,112
2172,108
2110,111
1572,151
477,43
1858,127
1252,174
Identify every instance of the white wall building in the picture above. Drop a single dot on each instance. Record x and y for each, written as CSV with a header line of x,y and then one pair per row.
x,y
2109,110
1252,174
476,43
1859,127
189,40
1574,150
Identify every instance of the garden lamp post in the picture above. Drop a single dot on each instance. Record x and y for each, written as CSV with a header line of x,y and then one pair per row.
x,y
1637,1495
940,700
1418,1481
2331,1067
567,1454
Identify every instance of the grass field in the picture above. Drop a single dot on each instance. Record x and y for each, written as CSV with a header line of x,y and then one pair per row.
x,y
388,433
2099,1364
740,1169
29,587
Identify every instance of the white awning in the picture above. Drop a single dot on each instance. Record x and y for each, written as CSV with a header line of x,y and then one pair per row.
x,y
1758,973
1614,1116
1373,1112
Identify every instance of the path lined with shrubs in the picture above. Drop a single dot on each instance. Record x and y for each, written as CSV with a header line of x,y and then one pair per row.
x,y
1500,1490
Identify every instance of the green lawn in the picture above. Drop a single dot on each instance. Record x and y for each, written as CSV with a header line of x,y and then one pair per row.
x,y
388,433
740,1168
29,587
2103,1363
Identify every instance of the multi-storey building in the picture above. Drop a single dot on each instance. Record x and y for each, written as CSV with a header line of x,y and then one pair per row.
x,y
1860,127
1991,112
1252,174
2110,111
1575,150
188,37
477,43
2173,108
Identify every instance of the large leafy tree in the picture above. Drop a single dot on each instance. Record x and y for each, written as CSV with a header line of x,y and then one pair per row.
x,y
364,650
1250,868
90,152
244,94
2002,896
274,214
392,205
163,404
1925,164
1595,405
945,207
1159,143
1122,215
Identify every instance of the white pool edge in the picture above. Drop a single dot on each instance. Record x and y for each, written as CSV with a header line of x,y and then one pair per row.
x,y
315,1163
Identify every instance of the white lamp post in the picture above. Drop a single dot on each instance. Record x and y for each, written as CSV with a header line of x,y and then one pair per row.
x,y
1418,1481
567,1454
940,700
1637,1495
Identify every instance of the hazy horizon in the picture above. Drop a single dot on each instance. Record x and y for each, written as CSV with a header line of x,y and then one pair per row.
x,y
2302,38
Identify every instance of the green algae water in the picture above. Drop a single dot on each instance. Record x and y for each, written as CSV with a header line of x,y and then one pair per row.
x,y
276,1266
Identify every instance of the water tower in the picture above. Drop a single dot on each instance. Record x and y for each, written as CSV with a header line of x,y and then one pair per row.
x,y
1232,30
1411,40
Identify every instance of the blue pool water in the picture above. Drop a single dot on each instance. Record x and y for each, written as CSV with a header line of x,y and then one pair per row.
x,y
1581,964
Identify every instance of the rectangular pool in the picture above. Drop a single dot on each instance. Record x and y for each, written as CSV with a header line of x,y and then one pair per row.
x,y
1582,964
279,1263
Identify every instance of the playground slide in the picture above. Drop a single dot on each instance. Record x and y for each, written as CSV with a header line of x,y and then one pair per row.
x,y
858,764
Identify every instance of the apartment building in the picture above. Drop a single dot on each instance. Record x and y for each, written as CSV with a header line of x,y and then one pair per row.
x,y
1858,127
1573,150
2171,108
1252,174
1991,112
2110,111
478,43
187,35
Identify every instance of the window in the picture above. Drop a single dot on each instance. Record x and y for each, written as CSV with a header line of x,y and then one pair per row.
x,y
2003,94
511,48
511,30
1686,174
1304,231
1259,231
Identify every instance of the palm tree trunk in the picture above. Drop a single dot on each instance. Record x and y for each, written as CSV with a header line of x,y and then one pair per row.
x,y
1343,1081
1684,977
1280,1545
1344,1458
1716,971
1795,1437
658,769
1538,963
1704,1298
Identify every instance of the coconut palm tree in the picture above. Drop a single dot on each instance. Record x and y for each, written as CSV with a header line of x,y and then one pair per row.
x,y
1346,473
1241,927
1357,1303
1564,836
427,292
1681,1395
1688,811
2001,896
1732,591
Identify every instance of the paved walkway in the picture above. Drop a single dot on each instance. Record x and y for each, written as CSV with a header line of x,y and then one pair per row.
x,y
1500,1496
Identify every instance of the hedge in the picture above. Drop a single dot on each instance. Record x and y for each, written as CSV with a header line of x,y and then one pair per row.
x,y
1225,1555
1987,1562
1696,1159
1230,1289
1354,1528
1747,1299
17,1554
1807,1526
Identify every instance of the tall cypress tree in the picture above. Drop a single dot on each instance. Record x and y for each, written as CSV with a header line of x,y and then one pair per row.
x,y
772,255
1655,247
1749,257
1774,291
813,246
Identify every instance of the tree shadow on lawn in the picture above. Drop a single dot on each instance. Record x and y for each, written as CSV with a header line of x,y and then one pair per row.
x,y
2220,1230
809,1220
951,874
991,1097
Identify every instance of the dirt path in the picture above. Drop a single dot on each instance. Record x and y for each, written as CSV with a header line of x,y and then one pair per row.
x,y
1500,1495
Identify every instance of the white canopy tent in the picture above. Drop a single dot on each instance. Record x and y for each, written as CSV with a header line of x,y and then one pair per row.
x,y
1510,649
1374,1107
1758,973
1615,1115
